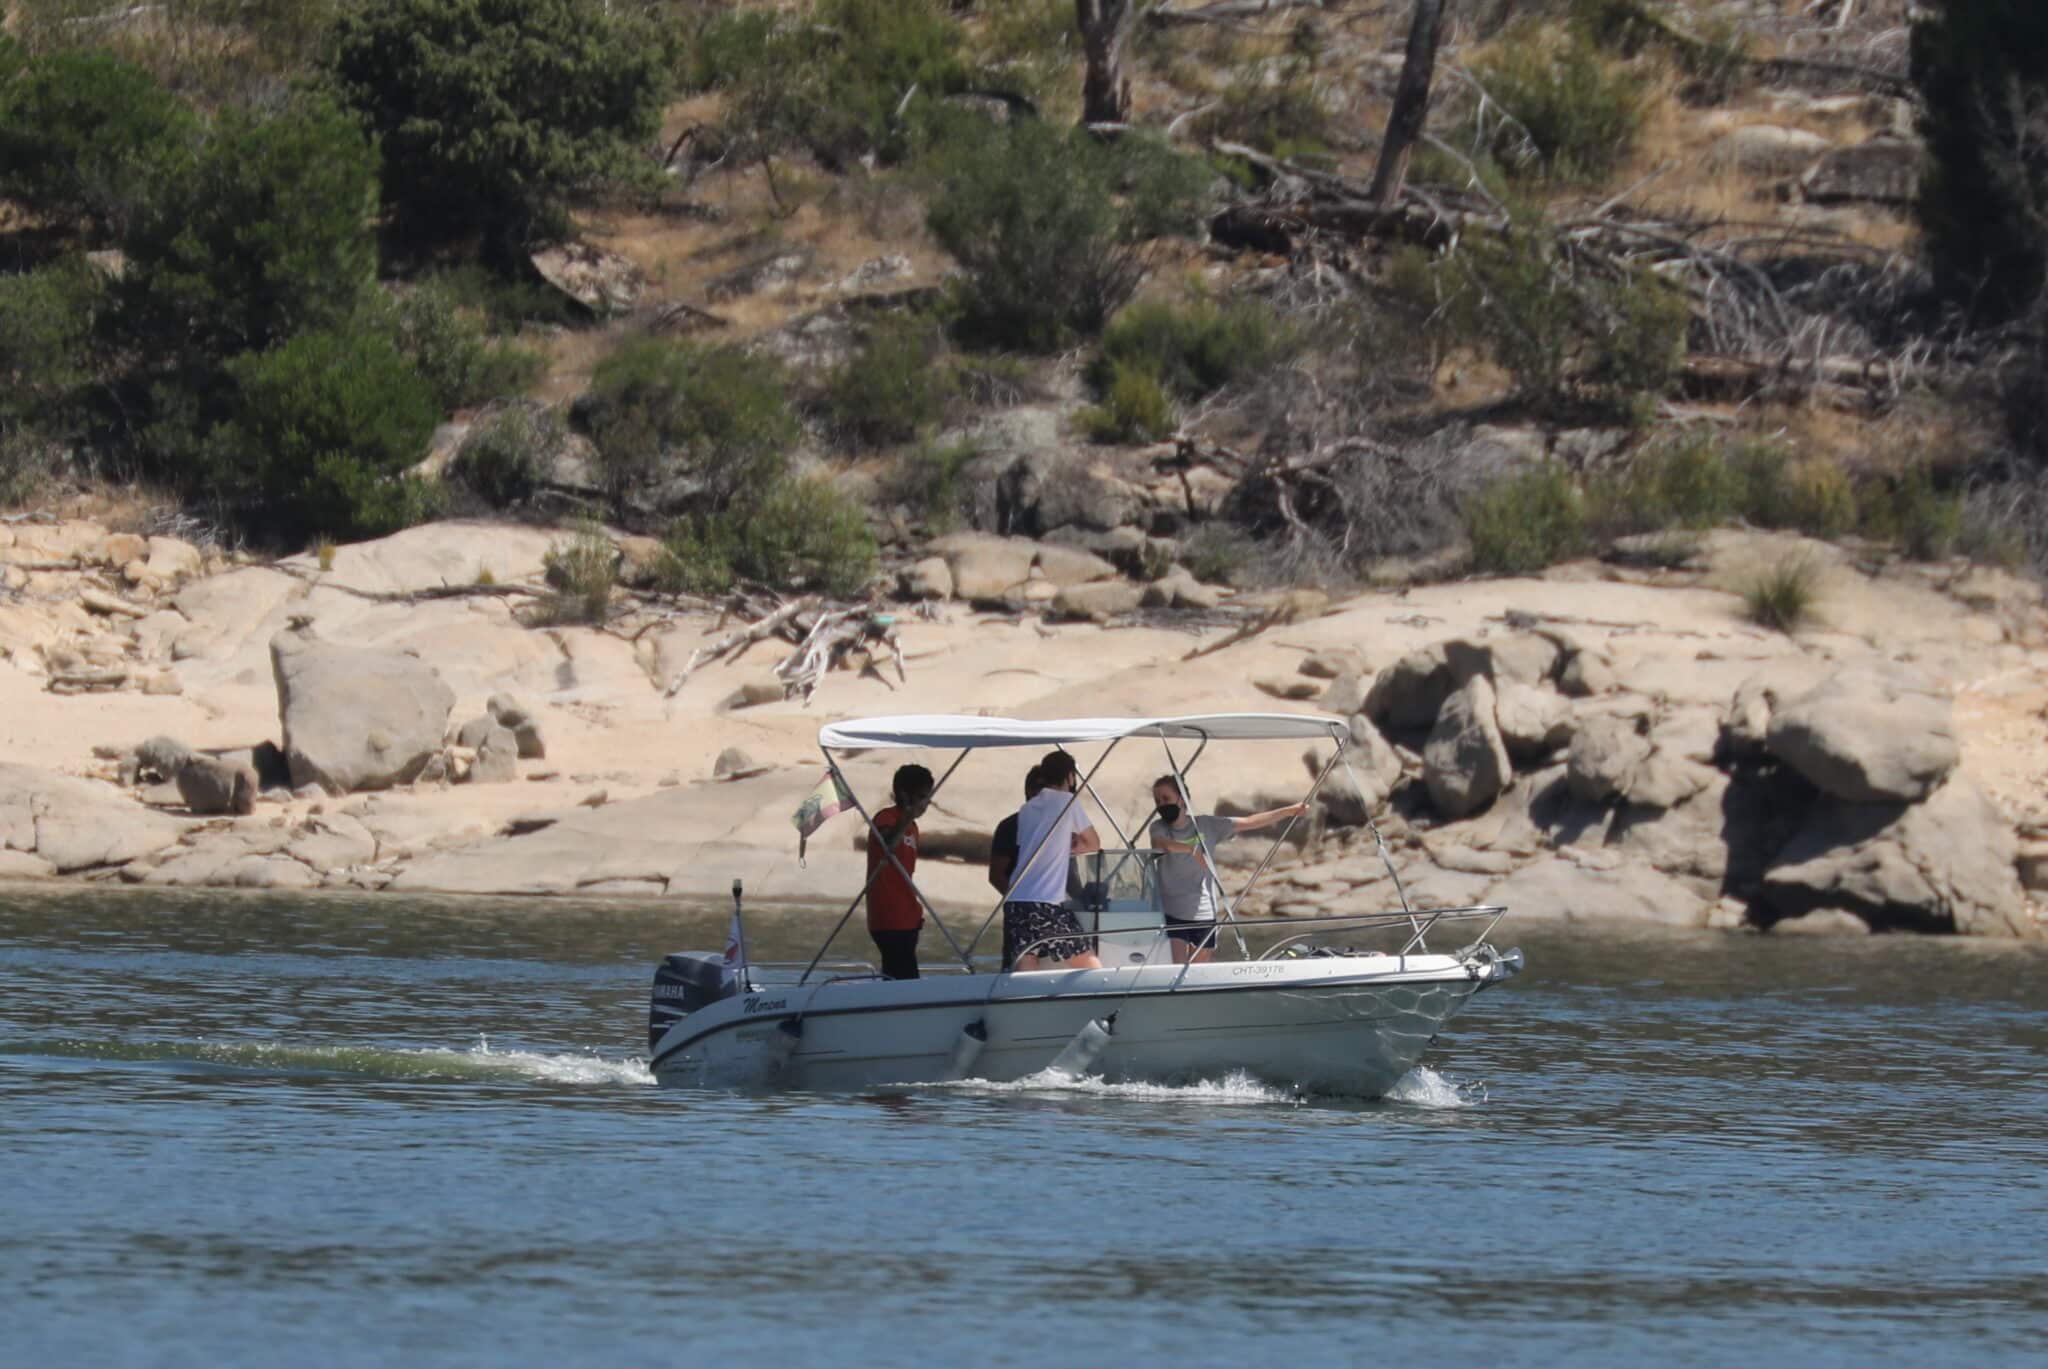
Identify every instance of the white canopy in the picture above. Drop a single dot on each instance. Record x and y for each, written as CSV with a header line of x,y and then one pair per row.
x,y
955,731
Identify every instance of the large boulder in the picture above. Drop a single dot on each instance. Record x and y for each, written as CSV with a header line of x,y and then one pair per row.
x,y
210,785
497,757
1465,764
356,718
985,568
1534,722
1605,756
1526,657
1612,890
1408,695
73,824
1943,865
516,718
1871,734
1376,766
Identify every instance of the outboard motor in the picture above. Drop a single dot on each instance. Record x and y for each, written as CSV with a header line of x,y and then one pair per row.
x,y
683,983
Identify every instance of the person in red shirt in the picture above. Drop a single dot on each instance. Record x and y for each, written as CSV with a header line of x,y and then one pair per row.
x,y
895,916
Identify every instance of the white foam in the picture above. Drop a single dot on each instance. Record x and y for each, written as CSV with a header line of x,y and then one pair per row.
x,y
1423,1087
1236,1089
568,1068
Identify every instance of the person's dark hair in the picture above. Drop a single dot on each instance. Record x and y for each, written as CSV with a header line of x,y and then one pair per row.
x,y
1034,780
1056,769
1173,780
912,781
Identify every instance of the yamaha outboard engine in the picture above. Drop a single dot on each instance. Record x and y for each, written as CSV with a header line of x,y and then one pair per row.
x,y
683,983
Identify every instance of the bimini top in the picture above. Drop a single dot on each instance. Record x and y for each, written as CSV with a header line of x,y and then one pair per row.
x,y
952,731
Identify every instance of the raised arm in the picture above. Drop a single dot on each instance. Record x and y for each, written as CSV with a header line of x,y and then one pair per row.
x,y
1254,821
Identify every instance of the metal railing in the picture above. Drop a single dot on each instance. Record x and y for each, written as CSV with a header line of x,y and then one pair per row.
x,y
1418,924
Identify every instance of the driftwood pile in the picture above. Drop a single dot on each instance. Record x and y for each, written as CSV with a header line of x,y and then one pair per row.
x,y
826,636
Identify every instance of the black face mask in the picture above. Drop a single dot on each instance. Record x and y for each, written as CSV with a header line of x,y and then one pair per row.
x,y
1169,813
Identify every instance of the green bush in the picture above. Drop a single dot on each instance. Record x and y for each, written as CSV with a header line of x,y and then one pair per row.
x,y
489,112
507,456
1193,349
323,427
27,462
46,327
88,140
1780,597
1527,522
1134,407
580,577
1911,512
889,391
1048,225
1684,481
1219,554
848,79
266,233
930,481
1280,109
802,534
660,411
1576,115
452,351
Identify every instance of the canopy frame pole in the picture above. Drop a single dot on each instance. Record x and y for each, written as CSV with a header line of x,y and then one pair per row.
x,y
1038,850
874,874
1380,841
1274,849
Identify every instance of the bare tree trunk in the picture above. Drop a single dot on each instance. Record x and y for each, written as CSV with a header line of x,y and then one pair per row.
x,y
1105,91
1411,101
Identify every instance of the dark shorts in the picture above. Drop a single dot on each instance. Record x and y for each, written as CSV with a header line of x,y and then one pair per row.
x,y
1026,923
1196,935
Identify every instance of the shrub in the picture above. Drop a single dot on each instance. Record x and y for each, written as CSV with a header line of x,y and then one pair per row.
x,y
88,139
892,389
802,534
581,577
1194,349
1911,512
1050,247
323,427
28,460
852,78
1218,553
489,113
1820,500
506,458
715,417
1575,114
452,352
930,481
1526,522
1982,70
46,325
1685,481
266,233
1277,107
1134,407
1781,596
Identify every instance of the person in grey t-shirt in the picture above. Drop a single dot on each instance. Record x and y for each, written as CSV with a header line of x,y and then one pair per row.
x,y
1189,888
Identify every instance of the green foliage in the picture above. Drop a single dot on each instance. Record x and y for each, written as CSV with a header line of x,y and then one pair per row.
x,y
1218,553
801,534
889,391
581,577
89,140
506,457
1193,349
323,426
1684,481
1910,511
265,233
1781,597
221,52
1575,114
1563,336
1134,407
489,112
1527,522
715,417
1277,107
1049,225
46,325
1982,70
929,480
449,347
850,78
27,462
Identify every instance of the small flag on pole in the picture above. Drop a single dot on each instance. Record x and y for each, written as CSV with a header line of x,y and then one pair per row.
x,y
820,806
731,974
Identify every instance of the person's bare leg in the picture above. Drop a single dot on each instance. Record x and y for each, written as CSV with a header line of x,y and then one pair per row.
x,y
1180,950
1026,962
1087,960
1205,955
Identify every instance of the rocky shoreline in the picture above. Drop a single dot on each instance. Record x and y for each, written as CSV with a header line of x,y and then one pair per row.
x,y
1603,744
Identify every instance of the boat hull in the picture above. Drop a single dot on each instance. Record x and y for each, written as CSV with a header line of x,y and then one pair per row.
x,y
1345,1025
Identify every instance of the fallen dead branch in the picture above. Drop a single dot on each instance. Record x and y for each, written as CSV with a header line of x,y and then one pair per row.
x,y
737,641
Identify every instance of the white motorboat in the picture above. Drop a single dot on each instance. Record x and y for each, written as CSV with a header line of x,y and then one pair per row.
x,y
1280,1002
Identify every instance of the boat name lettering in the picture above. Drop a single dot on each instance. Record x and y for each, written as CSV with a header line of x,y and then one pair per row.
x,y
765,1004
1257,969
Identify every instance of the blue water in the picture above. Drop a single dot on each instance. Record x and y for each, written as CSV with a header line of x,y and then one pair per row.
x,y
316,1131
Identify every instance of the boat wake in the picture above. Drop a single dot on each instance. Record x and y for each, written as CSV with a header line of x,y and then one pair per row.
x,y
480,1062
1421,1087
